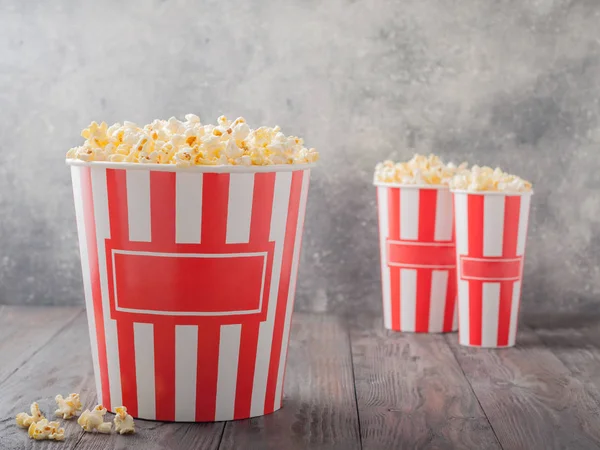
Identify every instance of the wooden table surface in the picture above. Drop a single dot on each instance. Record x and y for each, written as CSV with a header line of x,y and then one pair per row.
x,y
349,385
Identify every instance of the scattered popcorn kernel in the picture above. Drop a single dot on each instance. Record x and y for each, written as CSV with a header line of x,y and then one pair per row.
x,y
94,420
488,179
46,430
190,143
419,170
24,420
123,421
68,407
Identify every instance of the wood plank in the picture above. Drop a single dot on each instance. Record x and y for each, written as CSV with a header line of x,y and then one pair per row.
x,y
412,393
24,330
64,365
319,409
577,345
531,399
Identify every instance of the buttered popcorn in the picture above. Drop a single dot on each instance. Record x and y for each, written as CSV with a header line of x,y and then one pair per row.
x,y
46,430
24,420
190,143
420,170
488,179
123,421
94,420
68,407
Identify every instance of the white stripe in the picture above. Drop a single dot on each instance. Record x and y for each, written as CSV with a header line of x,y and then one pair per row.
x,y
85,271
99,189
186,368
463,313
239,213
143,337
229,352
490,312
384,231
443,216
461,216
188,207
437,306
138,205
283,181
292,288
514,313
408,299
409,213
455,316
493,224
523,221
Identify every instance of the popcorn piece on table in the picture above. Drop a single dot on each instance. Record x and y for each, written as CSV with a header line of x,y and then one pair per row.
x,y
490,180
68,407
94,420
420,170
123,421
46,430
24,420
190,143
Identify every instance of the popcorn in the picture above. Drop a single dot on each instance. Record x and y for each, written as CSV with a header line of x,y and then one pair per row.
x,y
46,430
190,143
123,421
94,420
488,179
24,420
67,407
419,170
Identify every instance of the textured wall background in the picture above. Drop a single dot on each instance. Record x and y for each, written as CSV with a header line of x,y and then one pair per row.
x,y
510,83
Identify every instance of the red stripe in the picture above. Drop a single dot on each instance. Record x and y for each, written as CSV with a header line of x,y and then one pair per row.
x,y
260,226
163,226
116,180
475,224
209,337
294,287
394,233
512,209
164,370
427,213
163,208
410,253
89,221
127,365
215,197
450,304
284,285
116,184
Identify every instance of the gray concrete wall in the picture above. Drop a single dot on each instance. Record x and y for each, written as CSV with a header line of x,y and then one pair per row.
x,y
510,83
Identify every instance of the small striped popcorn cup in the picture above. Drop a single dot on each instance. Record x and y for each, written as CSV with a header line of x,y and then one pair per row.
x,y
418,262
491,230
189,278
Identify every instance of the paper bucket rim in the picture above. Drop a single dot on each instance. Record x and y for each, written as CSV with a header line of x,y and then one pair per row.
x,y
492,193
411,186
196,169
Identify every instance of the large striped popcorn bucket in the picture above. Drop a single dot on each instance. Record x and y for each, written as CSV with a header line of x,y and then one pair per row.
x,y
491,230
418,265
189,278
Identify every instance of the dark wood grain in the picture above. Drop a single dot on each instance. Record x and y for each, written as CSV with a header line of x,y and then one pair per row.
x,y
24,330
64,365
412,393
531,399
319,409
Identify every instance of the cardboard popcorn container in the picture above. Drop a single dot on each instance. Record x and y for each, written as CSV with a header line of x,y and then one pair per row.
x,y
189,278
418,262
491,230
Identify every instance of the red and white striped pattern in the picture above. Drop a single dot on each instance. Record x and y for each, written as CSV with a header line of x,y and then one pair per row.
x,y
417,259
189,282
491,230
